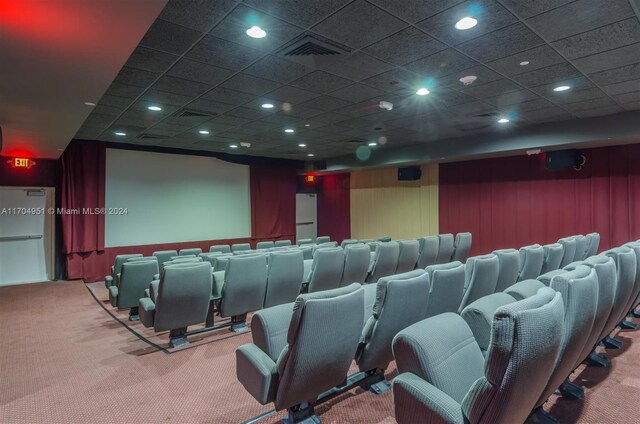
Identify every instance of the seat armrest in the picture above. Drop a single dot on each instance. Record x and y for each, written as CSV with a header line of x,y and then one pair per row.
x,y
479,316
257,373
147,311
269,328
113,296
108,281
524,289
218,284
153,290
415,400
156,276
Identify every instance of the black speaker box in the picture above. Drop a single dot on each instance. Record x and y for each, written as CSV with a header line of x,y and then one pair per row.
x,y
410,173
563,159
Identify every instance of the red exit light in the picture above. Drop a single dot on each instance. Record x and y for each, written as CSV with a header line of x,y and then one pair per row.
x,y
310,179
22,163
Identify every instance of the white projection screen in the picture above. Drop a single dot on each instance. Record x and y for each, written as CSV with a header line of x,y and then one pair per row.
x,y
174,198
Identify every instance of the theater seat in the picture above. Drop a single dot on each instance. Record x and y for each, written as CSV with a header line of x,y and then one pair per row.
x,y
284,277
385,261
568,249
164,255
462,246
626,268
356,264
182,299
553,254
347,242
481,278
240,247
263,245
299,351
326,269
245,285
401,300
444,377
302,242
384,239
445,248
582,247
593,243
222,248
407,256
479,316
323,239
282,243
531,261
428,251
446,287
134,279
192,251
509,267
110,280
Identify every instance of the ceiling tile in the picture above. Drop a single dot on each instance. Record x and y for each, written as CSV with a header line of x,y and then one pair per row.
x,y
229,120
236,23
124,90
209,106
355,123
356,66
609,59
578,83
442,63
547,114
276,69
293,95
133,76
589,104
326,103
632,97
261,125
168,37
501,43
109,100
103,109
164,98
321,82
200,15
187,121
492,89
225,95
511,98
329,118
299,111
200,72
614,76
574,96
622,87
448,97
527,9
548,75
484,75
415,10
536,104
224,54
632,105
578,17
405,46
248,113
150,60
181,86
139,118
359,24
538,57
599,40
598,111
303,13
490,15
357,93
97,120
393,80
250,84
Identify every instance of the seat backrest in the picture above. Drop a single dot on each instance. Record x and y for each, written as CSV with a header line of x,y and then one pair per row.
x,y
323,239
582,247
481,278
568,250
579,290
321,342
284,277
593,244
401,300
509,266
347,242
531,260
135,277
120,259
222,248
267,244
428,251
178,260
302,242
525,341
445,248
210,257
183,298
385,260
220,262
384,239
462,247
326,269
142,258
446,287
407,256
553,254
164,255
282,243
240,247
626,268
635,246
191,251
245,285
356,264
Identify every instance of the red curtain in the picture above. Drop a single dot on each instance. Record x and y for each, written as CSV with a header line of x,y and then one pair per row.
x,y
273,203
334,207
514,201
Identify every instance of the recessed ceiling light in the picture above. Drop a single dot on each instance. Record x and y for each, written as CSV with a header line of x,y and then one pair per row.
x,y
373,143
267,106
120,133
503,120
422,92
154,108
256,32
289,130
562,88
233,146
307,125
89,103
302,145
524,63
203,132
466,23
310,155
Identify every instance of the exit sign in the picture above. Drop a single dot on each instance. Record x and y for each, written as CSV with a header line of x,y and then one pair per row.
x,y
24,163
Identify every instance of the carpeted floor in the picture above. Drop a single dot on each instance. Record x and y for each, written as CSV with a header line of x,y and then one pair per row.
x,y
64,359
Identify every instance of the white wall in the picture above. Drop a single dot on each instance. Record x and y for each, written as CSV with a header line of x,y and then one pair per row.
x,y
174,198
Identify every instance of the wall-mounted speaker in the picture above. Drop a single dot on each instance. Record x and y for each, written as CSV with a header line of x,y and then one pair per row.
x,y
564,159
409,173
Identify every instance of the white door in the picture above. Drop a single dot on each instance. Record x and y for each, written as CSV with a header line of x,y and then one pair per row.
x,y
26,235
306,214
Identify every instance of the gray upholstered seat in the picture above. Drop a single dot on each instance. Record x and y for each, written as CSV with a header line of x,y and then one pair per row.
x,y
164,255
428,251
110,280
553,254
356,264
210,257
325,245
479,316
323,239
548,276
240,247
245,285
445,248
444,377
326,269
182,299
191,251
408,255
222,248
568,250
263,245
284,277
446,287
626,268
593,244
635,293
531,260
134,279
481,278
462,247
527,288
582,247
384,239
302,242
385,261
347,242
509,266
307,251
401,300
282,243
299,351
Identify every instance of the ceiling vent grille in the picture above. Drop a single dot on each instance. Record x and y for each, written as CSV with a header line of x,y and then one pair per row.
x,y
192,113
312,45
354,141
310,48
149,136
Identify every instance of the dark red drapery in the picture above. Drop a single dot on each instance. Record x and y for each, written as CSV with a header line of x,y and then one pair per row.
x,y
273,203
334,207
514,201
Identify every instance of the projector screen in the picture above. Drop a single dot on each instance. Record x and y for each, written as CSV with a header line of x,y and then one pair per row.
x,y
154,198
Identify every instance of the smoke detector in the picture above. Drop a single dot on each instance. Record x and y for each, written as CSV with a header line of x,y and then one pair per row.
x,y
245,144
469,79
385,105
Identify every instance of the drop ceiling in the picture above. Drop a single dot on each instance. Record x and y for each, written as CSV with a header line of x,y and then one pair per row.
x,y
197,63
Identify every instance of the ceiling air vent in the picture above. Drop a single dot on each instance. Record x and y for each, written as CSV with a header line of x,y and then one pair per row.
x,y
192,113
471,127
149,136
355,141
312,45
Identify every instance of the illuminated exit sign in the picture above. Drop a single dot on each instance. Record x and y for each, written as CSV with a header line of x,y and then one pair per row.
x,y
24,163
